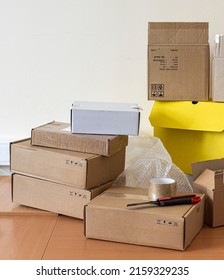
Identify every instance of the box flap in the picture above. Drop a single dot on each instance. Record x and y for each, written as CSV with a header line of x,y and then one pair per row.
x,y
178,33
206,179
199,167
212,180
201,116
105,106
194,220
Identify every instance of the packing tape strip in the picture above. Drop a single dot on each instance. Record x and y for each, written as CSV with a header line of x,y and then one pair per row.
x,y
161,187
125,195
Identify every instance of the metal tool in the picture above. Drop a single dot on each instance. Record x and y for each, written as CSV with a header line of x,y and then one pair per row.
x,y
168,201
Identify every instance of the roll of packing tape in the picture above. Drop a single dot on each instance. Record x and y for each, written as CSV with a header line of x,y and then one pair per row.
x,y
161,187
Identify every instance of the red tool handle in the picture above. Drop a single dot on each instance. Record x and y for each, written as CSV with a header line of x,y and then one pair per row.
x,y
176,197
178,201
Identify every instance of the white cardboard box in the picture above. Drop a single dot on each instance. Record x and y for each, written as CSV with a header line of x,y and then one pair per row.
x,y
105,118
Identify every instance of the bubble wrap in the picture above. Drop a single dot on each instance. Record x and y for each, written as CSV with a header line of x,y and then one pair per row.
x,y
147,158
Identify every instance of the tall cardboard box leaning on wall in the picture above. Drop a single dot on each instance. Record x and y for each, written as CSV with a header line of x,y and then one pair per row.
x,y
218,69
209,179
178,61
191,132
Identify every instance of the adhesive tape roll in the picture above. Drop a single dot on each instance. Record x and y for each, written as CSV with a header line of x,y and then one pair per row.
x,y
161,187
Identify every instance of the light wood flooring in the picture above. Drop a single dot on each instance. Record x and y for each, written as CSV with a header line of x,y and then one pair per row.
x,y
31,234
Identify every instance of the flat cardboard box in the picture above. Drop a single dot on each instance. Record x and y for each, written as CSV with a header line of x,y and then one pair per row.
x,y
58,135
108,218
105,118
53,197
191,132
209,179
9,208
178,61
75,169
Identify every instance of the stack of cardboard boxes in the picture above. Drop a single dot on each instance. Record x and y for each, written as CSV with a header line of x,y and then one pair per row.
x,y
185,116
62,166
61,172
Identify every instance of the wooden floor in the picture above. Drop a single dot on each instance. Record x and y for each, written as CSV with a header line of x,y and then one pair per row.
x,y
31,234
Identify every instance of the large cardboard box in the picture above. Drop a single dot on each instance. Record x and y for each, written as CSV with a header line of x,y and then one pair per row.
x,y
58,135
79,170
209,179
178,61
108,218
105,118
50,196
190,132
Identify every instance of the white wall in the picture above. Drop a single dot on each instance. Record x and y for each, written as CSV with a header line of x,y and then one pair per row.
x,y
53,52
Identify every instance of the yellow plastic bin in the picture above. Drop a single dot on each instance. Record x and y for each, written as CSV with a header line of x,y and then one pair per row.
x,y
190,131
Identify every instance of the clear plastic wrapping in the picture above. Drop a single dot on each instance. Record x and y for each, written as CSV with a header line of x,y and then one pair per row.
x,y
147,158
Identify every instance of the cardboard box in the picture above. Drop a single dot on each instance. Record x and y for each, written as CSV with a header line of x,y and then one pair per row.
x,y
79,170
105,118
58,135
50,196
218,69
190,132
178,61
209,179
218,79
8,208
108,218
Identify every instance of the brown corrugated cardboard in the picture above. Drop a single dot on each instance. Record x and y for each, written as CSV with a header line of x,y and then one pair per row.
x,y
80,170
9,208
218,79
218,69
105,118
178,61
209,179
50,196
108,218
58,135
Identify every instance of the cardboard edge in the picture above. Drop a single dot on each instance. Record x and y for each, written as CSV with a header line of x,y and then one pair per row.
x,y
199,167
34,128
188,239
139,117
120,140
31,213
10,150
12,179
84,220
